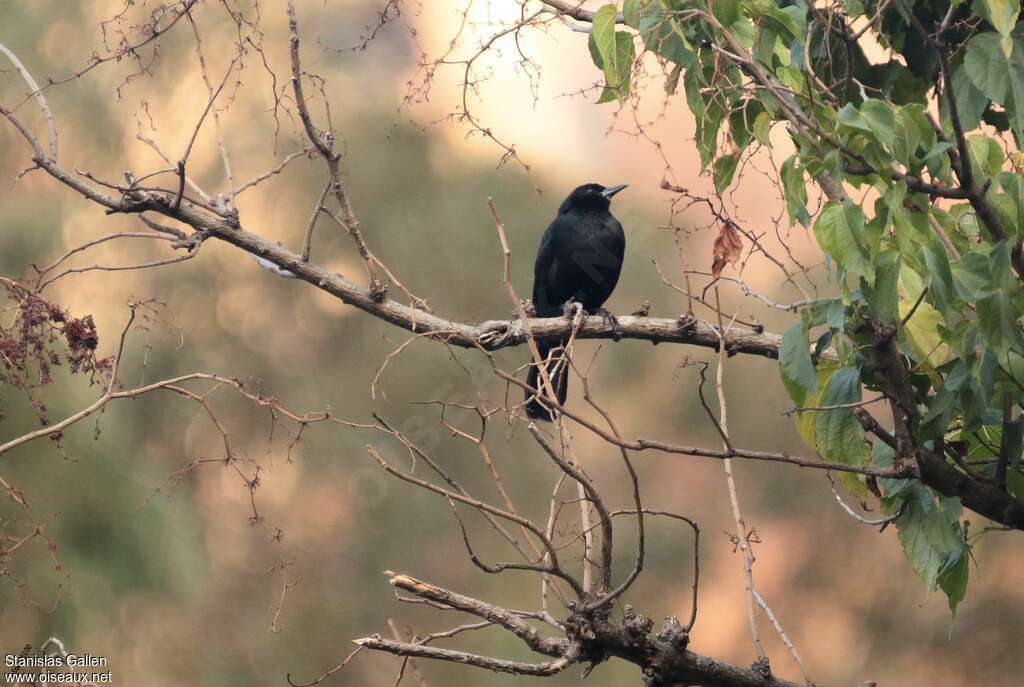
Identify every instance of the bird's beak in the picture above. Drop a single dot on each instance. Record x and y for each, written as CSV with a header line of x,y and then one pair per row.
x,y
610,191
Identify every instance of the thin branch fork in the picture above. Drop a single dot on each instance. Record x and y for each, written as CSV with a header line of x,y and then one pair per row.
x,y
38,94
499,665
593,497
543,644
552,568
323,141
641,530
415,452
741,525
101,402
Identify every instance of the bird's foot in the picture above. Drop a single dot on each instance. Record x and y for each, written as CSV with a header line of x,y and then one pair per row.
x,y
569,309
612,321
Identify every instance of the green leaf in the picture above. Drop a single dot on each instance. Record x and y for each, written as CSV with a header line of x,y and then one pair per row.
x,y
940,277
707,132
923,334
744,31
672,80
881,119
616,51
883,456
912,130
765,43
694,98
795,362
953,578
971,276
838,434
995,303
632,12
923,330
995,64
970,100
724,169
1013,184
851,117
1001,14
933,540
839,231
608,95
787,22
663,35
726,11
603,33
805,422
855,485
595,54
742,119
996,321
986,155
987,67
762,127
1016,112
942,404
882,297
795,191
853,8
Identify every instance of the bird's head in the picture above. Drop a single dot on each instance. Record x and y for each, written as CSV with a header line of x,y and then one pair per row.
x,y
590,197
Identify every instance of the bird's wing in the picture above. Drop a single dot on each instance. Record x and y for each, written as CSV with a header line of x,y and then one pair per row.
x,y
544,268
617,239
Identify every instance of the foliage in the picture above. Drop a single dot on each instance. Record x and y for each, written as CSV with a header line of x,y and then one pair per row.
x,y
914,105
39,337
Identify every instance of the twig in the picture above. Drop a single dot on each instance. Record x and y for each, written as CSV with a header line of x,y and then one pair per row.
x,y
782,635
743,541
327,673
272,172
323,141
40,98
216,117
498,665
307,243
856,516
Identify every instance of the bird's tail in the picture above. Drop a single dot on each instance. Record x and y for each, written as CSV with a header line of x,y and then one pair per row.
x,y
558,371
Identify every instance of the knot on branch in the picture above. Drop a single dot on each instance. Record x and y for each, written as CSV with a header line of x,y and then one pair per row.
x,y
327,140
636,625
762,666
687,325
192,241
674,634
581,629
378,291
495,335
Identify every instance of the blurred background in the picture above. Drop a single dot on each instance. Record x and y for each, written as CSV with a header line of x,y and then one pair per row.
x,y
168,575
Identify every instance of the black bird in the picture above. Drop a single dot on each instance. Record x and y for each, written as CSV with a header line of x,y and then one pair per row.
x,y
579,260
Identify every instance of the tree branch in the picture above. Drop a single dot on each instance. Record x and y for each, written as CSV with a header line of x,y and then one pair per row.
x,y
499,665
549,646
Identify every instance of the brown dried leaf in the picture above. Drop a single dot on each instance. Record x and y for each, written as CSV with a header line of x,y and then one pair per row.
x,y
727,249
